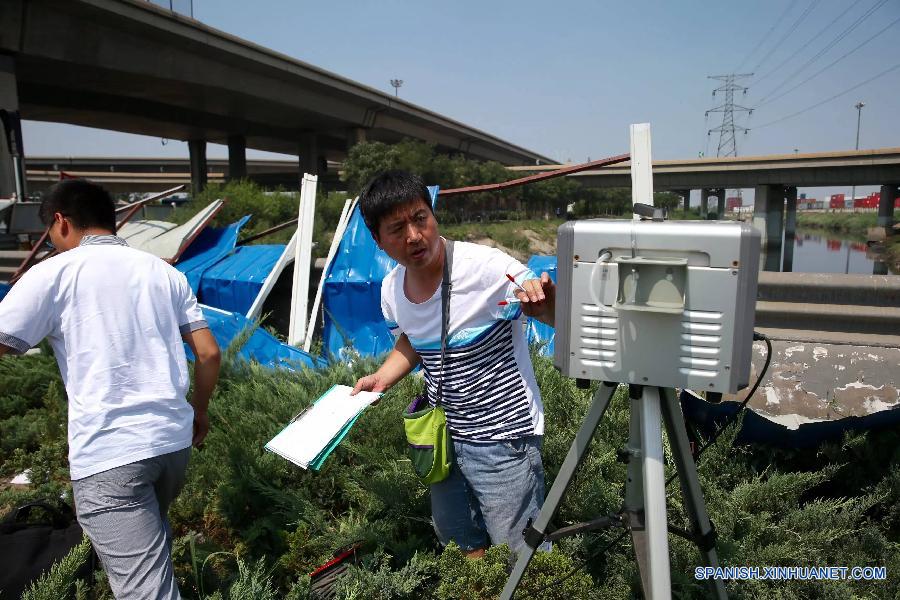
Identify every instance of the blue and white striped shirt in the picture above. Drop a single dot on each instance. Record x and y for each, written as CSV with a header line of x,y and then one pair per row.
x,y
489,389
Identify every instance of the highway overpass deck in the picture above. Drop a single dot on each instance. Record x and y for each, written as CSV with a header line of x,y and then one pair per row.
x,y
878,166
132,66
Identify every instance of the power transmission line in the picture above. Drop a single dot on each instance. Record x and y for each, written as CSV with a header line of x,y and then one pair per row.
x,y
787,33
878,4
727,142
838,95
796,52
768,33
831,64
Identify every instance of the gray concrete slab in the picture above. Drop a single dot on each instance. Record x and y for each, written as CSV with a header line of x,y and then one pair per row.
x,y
810,382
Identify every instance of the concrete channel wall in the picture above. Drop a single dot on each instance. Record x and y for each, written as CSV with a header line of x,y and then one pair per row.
x,y
839,308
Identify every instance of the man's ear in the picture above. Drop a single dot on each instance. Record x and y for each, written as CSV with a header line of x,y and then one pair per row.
x,y
63,223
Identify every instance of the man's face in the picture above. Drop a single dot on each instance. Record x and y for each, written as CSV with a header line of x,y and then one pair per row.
x,y
410,235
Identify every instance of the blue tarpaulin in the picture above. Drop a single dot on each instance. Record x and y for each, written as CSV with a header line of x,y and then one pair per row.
x,y
351,295
234,282
4,289
539,333
212,245
261,347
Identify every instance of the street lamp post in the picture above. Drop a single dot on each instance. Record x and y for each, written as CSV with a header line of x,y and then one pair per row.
x,y
859,107
396,83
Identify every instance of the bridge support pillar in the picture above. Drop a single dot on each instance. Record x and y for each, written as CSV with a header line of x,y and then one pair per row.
x,y
355,135
12,156
790,228
720,205
768,218
885,224
310,161
685,199
197,152
704,203
237,157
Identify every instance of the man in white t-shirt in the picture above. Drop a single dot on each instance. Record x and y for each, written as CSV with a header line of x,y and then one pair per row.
x,y
490,396
115,318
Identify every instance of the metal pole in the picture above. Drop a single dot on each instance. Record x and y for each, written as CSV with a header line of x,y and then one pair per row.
x,y
654,481
859,107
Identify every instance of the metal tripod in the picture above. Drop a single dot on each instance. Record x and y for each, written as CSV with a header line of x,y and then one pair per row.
x,y
645,490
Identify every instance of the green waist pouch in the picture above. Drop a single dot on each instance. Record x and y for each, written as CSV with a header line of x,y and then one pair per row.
x,y
430,447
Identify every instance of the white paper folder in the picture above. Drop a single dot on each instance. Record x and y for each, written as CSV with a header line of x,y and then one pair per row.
x,y
311,436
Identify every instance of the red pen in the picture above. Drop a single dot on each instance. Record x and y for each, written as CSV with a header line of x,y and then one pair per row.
x,y
513,279
509,301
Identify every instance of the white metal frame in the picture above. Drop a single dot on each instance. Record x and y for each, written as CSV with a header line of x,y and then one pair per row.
x,y
343,221
641,165
302,260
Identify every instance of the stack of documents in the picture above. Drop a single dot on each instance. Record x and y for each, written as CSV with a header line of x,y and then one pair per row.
x,y
312,435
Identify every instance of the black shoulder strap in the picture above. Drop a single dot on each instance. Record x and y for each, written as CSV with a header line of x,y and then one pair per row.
x,y
446,287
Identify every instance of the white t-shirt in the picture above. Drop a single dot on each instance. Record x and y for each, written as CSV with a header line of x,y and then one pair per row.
x,y
114,317
489,389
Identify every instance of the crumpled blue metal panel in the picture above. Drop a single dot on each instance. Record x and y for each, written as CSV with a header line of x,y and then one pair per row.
x,y
234,282
212,245
539,333
261,347
351,295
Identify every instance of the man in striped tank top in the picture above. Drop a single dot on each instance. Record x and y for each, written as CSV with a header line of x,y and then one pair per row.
x,y
490,396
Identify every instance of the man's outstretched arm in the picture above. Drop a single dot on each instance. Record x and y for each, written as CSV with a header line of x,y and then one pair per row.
x,y
206,374
399,363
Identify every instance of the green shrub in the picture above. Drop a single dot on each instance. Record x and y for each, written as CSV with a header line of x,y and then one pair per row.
x,y
59,582
833,505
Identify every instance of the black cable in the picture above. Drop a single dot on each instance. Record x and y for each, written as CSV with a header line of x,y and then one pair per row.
x,y
743,405
768,33
827,100
808,42
831,64
878,4
787,33
579,567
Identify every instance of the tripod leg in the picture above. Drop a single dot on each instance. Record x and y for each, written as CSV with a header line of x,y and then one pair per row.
x,y
634,487
690,486
576,453
653,478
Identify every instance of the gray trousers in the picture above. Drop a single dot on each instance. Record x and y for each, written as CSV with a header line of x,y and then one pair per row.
x,y
123,512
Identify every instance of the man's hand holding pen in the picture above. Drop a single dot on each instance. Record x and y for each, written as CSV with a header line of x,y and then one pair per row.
x,y
537,298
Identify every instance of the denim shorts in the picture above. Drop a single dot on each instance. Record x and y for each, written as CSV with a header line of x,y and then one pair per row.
x,y
491,493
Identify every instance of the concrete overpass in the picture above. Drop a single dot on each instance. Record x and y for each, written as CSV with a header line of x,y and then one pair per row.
x,y
775,179
152,174
131,66
818,169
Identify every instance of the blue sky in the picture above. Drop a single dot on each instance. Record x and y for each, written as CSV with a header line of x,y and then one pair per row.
x,y
566,79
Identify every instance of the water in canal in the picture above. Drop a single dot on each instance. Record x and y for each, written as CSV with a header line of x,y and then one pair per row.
x,y
815,251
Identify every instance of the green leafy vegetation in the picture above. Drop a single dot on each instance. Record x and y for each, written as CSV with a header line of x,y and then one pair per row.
x,y
60,581
856,224
250,524
542,200
267,209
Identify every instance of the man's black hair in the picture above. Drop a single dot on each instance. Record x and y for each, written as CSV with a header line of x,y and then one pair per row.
x,y
386,192
86,204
